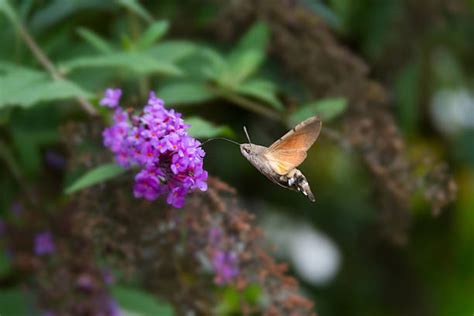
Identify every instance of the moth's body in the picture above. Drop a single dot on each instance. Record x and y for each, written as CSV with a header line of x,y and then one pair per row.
x,y
279,161
293,180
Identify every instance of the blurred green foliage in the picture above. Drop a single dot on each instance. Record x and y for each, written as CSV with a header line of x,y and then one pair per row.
x,y
140,303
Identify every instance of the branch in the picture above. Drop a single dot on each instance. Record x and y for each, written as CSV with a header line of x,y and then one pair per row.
x,y
49,66
248,104
15,171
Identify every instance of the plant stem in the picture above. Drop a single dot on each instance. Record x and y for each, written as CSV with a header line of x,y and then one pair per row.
x,y
248,104
135,31
11,165
49,66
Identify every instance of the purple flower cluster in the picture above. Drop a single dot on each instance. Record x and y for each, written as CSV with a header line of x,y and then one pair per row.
x,y
157,141
224,263
225,266
44,244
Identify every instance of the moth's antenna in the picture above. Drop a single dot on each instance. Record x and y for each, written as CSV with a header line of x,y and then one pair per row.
x,y
247,134
221,138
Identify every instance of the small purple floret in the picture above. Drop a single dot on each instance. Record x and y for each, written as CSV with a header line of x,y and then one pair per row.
x,y
225,266
113,309
146,185
85,282
108,277
111,98
215,235
44,244
157,140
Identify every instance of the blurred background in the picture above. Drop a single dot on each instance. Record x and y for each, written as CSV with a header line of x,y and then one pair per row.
x,y
391,232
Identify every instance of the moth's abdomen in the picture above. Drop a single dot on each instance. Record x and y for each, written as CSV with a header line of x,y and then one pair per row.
x,y
297,181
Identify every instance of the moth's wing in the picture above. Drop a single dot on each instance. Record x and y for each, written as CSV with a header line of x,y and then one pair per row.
x,y
283,162
302,136
289,151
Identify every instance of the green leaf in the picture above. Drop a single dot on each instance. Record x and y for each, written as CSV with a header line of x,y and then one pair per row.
x,y
253,294
217,63
153,34
185,93
262,90
172,51
328,109
138,62
99,174
26,87
140,303
256,38
95,40
19,74
8,10
54,12
213,56
201,128
241,65
247,57
41,92
137,8
13,302
230,300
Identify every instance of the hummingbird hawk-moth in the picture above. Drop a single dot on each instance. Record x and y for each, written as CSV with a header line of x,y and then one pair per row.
x,y
279,161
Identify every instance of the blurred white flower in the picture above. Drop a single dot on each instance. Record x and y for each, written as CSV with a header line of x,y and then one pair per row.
x,y
313,255
453,110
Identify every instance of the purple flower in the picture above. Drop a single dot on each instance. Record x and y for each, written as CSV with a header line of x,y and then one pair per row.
x,y
113,309
200,179
215,235
225,266
146,186
108,277
157,141
154,103
176,197
179,163
85,282
111,98
44,244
